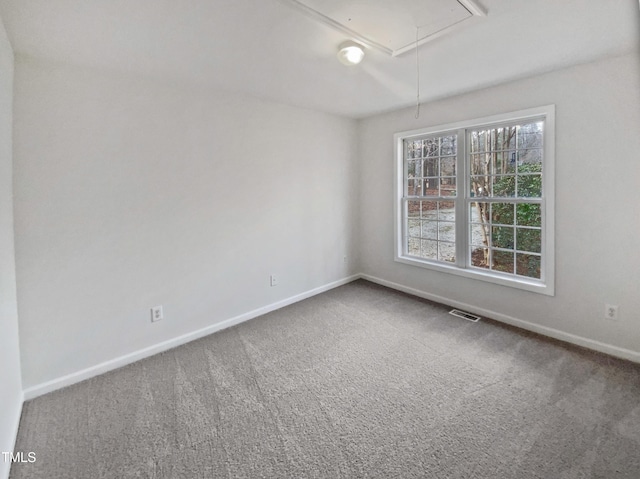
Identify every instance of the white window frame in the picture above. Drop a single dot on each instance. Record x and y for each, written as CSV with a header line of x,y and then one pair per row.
x,y
544,285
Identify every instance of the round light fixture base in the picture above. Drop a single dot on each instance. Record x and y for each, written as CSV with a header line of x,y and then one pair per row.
x,y
350,53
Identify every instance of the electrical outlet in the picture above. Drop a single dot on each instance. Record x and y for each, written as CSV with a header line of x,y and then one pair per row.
x,y
273,281
344,259
156,314
611,312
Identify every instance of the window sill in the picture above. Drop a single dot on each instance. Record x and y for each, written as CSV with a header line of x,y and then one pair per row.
x,y
534,286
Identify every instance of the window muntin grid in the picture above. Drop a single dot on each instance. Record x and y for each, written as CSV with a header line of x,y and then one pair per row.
x,y
431,166
430,172
519,245
504,162
430,230
506,237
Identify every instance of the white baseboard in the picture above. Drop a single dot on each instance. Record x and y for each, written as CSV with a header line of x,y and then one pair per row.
x,y
5,467
536,328
49,386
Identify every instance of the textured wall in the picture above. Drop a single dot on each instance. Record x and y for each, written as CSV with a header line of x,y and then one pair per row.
x,y
10,382
597,188
131,193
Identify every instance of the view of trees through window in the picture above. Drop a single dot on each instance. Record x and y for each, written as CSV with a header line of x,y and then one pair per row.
x,y
504,171
431,173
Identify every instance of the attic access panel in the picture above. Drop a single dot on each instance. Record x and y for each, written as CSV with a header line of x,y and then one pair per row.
x,y
390,25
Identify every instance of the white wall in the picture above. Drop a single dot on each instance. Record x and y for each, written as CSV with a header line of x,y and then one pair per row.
x,y
131,193
10,382
597,201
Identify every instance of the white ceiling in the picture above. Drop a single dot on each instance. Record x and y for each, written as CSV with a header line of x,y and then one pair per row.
x,y
392,27
271,50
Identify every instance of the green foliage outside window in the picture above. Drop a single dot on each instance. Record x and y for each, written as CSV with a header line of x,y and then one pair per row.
x,y
526,236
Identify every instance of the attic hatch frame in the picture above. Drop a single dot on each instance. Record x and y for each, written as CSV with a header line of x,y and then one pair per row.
x,y
472,6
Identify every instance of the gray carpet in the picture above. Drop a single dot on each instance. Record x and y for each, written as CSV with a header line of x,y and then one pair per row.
x,y
360,381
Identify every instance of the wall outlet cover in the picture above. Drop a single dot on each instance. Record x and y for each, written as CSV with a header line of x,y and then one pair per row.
x,y
156,314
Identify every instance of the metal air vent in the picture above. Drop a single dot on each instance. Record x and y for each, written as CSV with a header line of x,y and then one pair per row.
x,y
464,315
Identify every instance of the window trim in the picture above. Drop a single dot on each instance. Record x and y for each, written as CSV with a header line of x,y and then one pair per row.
x,y
545,285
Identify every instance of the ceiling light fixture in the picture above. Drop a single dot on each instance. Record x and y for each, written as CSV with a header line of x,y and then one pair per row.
x,y
350,53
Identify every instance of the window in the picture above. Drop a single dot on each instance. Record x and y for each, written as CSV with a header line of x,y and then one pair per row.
x,y
476,199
